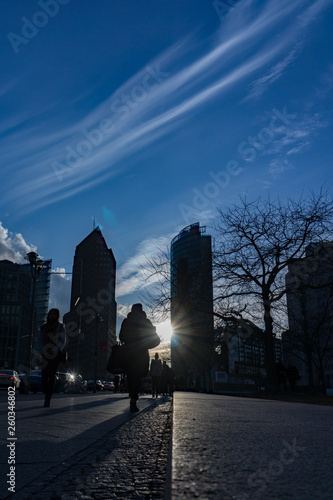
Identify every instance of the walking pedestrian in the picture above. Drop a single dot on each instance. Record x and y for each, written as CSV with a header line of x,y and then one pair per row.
x,y
164,379
116,383
155,373
281,374
54,339
292,376
138,335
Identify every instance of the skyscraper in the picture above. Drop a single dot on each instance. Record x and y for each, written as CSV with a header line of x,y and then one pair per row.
x,y
91,322
308,343
16,290
192,307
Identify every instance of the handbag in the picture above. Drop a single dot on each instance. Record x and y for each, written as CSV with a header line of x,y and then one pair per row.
x,y
150,339
116,363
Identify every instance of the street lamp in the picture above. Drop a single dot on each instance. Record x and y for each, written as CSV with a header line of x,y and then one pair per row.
x,y
36,266
79,337
99,320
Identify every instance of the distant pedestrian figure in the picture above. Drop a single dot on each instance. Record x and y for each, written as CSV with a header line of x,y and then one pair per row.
x,y
164,382
155,373
54,339
116,383
292,376
281,374
138,334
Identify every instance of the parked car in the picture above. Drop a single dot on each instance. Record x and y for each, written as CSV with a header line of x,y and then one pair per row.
x,y
60,381
91,385
9,378
108,386
83,383
36,381
76,384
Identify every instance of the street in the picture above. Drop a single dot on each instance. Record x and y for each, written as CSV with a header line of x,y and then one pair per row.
x,y
223,447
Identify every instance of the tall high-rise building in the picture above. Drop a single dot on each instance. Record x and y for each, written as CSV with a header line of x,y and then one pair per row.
x,y
192,307
42,294
16,290
91,322
308,343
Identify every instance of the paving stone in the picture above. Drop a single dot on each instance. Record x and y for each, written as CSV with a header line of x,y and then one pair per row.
x,y
130,462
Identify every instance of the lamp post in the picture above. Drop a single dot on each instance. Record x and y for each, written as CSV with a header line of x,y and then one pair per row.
x,y
99,320
79,337
36,266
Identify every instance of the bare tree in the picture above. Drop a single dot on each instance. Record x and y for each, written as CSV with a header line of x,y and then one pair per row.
x,y
255,243
157,281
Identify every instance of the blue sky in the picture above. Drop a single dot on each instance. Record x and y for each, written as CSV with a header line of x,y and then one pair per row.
x,y
149,115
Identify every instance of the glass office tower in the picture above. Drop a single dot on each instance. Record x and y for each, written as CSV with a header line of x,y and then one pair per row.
x,y
192,308
16,290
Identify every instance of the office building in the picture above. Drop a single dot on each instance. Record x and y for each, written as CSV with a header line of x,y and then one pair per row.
x,y
308,344
91,322
16,299
192,344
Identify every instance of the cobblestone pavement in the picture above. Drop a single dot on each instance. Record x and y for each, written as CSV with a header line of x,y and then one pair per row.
x,y
129,462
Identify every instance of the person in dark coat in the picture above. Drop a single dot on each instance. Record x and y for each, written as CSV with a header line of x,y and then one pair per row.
x,y
54,339
116,383
292,376
155,373
281,374
138,334
164,379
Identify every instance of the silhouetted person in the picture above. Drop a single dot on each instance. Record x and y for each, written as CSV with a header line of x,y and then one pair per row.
x,y
138,334
155,373
281,374
292,376
116,383
164,382
54,339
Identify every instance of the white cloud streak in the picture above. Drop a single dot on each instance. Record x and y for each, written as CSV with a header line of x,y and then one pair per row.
x,y
171,96
298,135
131,275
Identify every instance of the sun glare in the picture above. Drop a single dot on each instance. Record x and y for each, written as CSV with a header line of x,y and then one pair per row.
x,y
164,330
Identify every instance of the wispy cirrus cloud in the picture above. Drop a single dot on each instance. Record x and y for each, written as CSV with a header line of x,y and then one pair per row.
x,y
278,166
326,83
294,36
299,134
131,276
260,85
54,163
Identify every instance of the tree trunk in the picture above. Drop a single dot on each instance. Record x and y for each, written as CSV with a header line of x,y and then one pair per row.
x,y
310,372
322,377
272,383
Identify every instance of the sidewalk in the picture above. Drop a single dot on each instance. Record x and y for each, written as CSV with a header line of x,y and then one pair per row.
x,y
235,448
124,456
204,446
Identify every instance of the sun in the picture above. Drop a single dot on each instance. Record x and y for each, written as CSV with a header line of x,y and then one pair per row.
x,y
164,330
